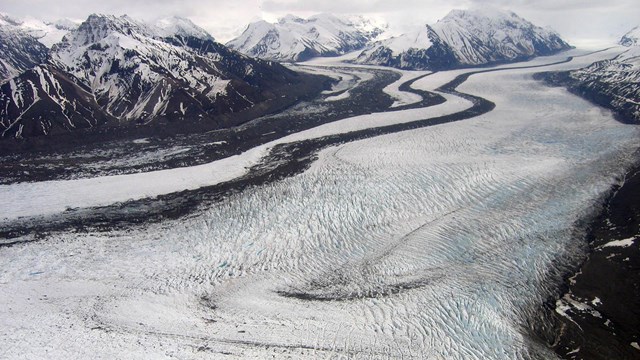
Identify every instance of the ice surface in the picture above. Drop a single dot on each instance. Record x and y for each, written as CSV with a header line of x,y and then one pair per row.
x,y
56,196
438,242
401,97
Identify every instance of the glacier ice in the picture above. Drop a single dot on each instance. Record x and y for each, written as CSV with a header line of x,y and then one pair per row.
x,y
438,242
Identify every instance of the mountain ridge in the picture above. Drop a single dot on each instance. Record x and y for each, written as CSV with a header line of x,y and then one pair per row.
x,y
464,38
296,39
140,73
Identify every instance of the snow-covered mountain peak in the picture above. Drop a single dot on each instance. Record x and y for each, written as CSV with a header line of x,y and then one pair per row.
x,y
484,19
632,38
135,71
47,33
487,13
6,19
465,38
289,18
66,24
183,27
295,39
99,26
368,24
414,39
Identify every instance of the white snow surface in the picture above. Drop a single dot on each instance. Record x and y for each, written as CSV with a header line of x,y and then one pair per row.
x,y
632,38
291,36
57,196
476,36
48,33
452,228
175,25
416,39
619,243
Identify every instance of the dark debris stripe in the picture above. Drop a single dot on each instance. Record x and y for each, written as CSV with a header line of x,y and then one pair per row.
x,y
284,160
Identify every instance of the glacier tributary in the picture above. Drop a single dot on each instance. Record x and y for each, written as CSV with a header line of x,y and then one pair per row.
x,y
437,243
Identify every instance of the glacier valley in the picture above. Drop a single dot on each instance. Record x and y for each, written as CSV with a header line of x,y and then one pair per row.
x,y
436,242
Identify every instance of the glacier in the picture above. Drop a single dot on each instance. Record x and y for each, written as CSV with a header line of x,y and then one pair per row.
x,y
439,242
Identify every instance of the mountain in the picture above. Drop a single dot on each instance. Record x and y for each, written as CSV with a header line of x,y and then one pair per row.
x,y
465,38
631,38
612,83
182,28
296,39
46,100
116,68
47,33
19,51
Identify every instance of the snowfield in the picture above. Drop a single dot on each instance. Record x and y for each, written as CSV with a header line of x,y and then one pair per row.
x,y
440,242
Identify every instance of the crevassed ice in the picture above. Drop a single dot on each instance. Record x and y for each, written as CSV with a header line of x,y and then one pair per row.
x,y
432,243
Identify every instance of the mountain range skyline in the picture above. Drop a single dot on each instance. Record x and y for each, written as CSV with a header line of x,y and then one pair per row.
x,y
225,21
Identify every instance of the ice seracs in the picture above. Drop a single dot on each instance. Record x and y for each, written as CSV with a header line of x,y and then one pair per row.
x,y
296,39
465,38
47,33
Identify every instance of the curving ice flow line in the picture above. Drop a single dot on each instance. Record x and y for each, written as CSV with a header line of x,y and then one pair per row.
x,y
51,197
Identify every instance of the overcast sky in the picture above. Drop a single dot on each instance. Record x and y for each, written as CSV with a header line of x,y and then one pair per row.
x,y
581,22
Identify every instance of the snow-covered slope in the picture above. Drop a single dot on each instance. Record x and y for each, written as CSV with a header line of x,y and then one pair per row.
x,y
296,39
19,50
180,27
140,72
612,83
615,81
631,38
47,33
465,38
